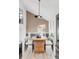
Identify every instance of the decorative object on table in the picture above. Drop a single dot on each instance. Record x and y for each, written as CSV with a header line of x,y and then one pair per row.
x,y
38,36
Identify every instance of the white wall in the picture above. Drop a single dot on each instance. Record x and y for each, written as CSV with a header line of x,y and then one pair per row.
x,y
22,27
52,29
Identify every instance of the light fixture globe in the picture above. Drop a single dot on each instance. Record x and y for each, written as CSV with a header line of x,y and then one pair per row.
x,y
38,16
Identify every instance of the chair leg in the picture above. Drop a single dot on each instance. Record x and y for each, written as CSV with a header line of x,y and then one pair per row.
x,y
52,47
32,47
26,46
45,47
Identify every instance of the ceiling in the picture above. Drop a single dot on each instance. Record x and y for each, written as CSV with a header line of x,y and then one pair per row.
x,y
48,8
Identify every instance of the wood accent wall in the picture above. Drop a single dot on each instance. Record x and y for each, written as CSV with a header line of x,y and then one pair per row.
x,y
33,22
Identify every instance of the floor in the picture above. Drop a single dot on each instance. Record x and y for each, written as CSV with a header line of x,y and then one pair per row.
x,y
29,54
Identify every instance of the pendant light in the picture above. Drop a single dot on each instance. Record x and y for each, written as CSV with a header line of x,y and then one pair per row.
x,y
38,16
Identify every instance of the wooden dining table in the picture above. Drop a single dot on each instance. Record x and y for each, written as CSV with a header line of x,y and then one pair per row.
x,y
39,44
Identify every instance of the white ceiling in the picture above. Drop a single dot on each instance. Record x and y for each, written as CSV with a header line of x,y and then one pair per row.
x,y
49,8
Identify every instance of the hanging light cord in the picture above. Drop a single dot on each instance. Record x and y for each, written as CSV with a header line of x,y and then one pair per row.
x,y
39,8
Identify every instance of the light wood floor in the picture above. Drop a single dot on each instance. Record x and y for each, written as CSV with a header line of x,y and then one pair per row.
x,y
31,55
